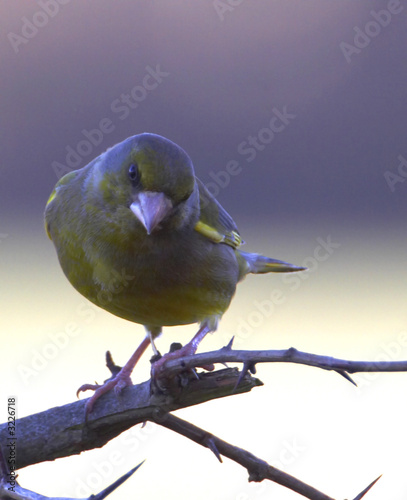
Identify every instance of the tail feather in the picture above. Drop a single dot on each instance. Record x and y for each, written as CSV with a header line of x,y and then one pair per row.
x,y
258,264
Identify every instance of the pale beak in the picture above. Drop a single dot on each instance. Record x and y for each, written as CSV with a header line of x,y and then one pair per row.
x,y
150,209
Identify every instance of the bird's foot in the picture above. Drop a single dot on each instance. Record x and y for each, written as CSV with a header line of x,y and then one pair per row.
x,y
118,383
177,351
119,380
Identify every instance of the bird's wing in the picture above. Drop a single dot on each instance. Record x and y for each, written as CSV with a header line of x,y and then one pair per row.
x,y
214,222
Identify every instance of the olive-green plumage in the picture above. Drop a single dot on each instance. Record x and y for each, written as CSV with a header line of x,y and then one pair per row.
x,y
140,236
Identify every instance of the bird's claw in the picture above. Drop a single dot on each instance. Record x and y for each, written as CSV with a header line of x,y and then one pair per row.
x,y
122,384
87,387
118,383
158,367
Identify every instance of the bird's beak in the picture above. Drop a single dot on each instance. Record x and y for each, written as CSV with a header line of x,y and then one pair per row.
x,y
150,209
279,266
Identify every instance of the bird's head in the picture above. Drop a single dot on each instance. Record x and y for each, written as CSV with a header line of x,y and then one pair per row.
x,y
151,177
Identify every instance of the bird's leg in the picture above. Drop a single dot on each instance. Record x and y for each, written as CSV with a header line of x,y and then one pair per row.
x,y
158,368
118,382
152,333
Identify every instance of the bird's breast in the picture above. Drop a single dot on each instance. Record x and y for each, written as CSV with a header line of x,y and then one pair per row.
x,y
161,281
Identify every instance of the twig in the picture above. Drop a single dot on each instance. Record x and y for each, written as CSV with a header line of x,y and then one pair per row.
x,y
13,491
257,468
291,355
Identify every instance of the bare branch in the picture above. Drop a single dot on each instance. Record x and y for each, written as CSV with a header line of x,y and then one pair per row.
x,y
62,431
258,469
251,358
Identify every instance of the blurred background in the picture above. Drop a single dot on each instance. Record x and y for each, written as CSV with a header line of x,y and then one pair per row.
x,y
294,114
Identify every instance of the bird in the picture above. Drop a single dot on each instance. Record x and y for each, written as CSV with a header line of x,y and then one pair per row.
x,y
139,235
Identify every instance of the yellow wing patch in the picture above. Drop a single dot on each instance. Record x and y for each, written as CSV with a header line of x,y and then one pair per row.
x,y
46,224
232,239
52,196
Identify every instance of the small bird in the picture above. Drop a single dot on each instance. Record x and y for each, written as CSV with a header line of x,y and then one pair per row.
x,y
139,235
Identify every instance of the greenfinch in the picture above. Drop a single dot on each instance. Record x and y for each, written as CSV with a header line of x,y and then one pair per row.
x,y
139,235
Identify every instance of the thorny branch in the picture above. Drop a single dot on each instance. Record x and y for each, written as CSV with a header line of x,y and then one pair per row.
x,y
250,358
11,490
257,468
63,431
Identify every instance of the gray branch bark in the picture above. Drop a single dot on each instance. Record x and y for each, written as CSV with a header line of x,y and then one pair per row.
x,y
62,431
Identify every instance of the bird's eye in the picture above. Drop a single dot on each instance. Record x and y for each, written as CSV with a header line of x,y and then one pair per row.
x,y
134,174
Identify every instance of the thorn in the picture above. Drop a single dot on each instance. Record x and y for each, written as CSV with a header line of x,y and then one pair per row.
x,y
155,357
229,346
113,368
103,494
193,370
248,366
175,346
363,493
210,443
346,376
109,360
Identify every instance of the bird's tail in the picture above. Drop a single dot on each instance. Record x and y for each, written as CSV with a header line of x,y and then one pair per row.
x,y
258,264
